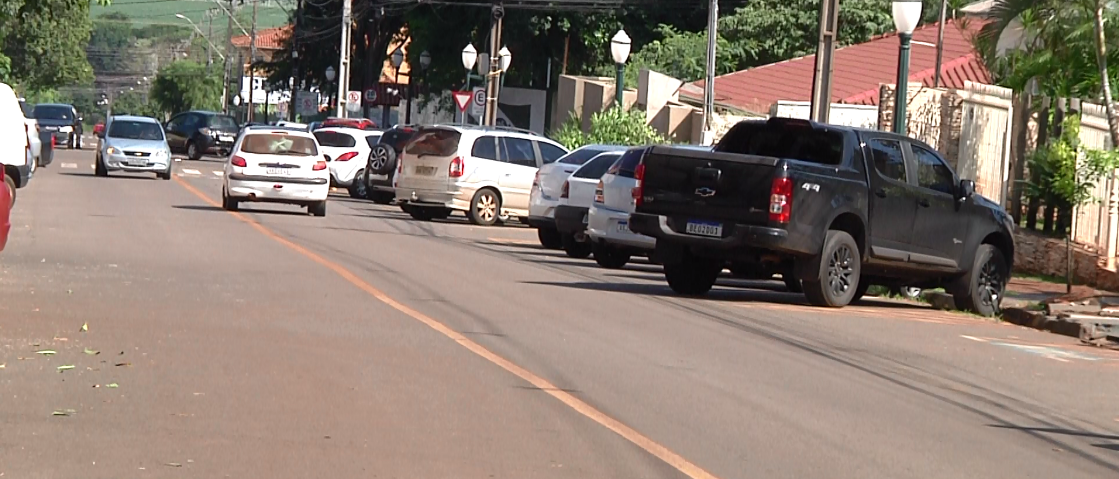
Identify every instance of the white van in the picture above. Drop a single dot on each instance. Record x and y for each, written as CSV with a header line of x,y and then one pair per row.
x,y
14,146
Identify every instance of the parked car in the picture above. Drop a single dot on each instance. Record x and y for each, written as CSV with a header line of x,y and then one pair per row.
x,y
292,124
133,144
345,148
358,123
62,121
839,208
5,210
14,143
576,196
276,165
196,133
546,190
486,173
380,169
34,136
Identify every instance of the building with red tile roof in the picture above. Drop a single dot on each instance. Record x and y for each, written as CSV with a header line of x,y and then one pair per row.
x,y
858,72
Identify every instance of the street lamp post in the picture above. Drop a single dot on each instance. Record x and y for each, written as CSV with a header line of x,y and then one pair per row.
x,y
330,81
425,61
619,49
397,61
469,57
906,16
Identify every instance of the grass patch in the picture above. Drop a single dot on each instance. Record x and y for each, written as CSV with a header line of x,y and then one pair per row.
x,y
1045,278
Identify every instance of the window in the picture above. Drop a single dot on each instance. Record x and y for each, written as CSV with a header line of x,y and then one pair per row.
x,y
579,156
485,148
135,130
191,122
627,165
372,140
597,167
888,159
54,112
222,121
518,151
279,144
397,138
932,173
550,153
791,141
175,124
434,142
335,139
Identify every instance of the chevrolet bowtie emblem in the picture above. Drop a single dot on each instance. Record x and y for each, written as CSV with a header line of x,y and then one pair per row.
x,y
705,192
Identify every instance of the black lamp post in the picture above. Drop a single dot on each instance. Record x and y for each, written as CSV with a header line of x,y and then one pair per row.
x,y
906,15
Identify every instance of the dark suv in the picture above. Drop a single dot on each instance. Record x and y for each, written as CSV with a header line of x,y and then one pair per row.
x,y
61,121
381,168
201,132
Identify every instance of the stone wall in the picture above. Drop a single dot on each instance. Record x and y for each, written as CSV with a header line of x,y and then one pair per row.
x,y
935,116
1042,255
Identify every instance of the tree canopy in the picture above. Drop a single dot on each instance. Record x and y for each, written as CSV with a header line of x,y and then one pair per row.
x,y
43,43
186,85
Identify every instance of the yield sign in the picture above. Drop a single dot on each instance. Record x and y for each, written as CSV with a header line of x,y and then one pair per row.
x,y
462,99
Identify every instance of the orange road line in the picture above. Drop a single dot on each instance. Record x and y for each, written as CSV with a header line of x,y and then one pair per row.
x,y
640,440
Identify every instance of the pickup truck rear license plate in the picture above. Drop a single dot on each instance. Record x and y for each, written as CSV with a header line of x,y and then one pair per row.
x,y
704,228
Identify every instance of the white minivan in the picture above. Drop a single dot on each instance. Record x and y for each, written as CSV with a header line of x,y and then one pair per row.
x,y
486,173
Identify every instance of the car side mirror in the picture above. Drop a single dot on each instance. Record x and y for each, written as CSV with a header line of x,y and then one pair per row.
x,y
967,188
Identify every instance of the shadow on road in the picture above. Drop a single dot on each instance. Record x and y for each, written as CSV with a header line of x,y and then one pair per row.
x,y
242,210
120,176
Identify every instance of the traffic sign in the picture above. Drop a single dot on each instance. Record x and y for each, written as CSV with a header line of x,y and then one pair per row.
x,y
371,95
478,106
462,99
353,100
308,103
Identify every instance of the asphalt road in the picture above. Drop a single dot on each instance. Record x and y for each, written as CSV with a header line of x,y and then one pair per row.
x,y
364,344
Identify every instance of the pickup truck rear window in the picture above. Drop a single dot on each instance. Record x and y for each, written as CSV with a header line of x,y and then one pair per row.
x,y
786,142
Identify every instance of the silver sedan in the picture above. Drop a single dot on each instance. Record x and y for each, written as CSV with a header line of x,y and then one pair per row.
x,y
133,144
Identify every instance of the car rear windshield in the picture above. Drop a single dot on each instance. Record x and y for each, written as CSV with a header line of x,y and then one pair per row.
x,y
791,142
580,155
222,121
335,139
54,112
434,142
135,130
279,144
597,167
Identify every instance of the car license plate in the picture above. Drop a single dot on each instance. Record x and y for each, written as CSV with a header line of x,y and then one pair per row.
x,y
623,227
704,228
279,171
425,170
136,162
227,139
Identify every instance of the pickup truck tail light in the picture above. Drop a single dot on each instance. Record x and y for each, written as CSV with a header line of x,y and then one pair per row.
x,y
639,190
781,200
347,156
598,196
238,161
457,167
566,191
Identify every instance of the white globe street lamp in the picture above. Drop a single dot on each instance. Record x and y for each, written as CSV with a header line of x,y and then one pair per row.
x,y
506,58
619,50
906,16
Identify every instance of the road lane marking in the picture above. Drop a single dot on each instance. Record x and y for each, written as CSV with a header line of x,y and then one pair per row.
x,y
973,338
68,165
218,173
632,435
191,172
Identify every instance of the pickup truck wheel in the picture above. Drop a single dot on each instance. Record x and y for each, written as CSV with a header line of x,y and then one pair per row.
x,y
985,283
692,277
864,286
609,257
549,238
838,269
575,249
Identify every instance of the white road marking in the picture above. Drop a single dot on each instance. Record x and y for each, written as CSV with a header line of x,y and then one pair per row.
x,y
973,338
218,173
191,172
68,165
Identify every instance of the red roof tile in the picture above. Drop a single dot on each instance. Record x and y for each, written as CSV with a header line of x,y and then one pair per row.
x,y
858,70
267,39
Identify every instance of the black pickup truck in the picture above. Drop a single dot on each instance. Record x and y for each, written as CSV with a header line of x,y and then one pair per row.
x,y
837,208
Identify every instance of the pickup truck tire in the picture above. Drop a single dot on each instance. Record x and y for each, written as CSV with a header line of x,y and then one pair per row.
x,y
693,276
609,257
838,269
864,286
549,238
981,289
575,249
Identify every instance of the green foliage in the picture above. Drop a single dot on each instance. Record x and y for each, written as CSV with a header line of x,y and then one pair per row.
x,y
614,126
185,85
109,42
681,55
46,40
132,103
1067,174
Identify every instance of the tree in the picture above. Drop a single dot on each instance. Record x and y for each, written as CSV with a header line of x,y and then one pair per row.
x,y
45,41
185,85
109,43
613,126
681,55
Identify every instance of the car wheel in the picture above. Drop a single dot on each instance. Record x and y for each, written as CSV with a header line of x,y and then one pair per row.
x,y
317,208
382,159
864,286
838,268
549,238
693,276
192,151
575,249
906,292
227,202
166,175
99,168
984,284
608,256
485,208
78,141
357,186
11,189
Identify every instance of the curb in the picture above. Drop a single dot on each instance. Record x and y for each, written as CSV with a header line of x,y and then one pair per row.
x,y
1039,320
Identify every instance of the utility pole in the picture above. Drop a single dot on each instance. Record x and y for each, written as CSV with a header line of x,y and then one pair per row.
x,y
252,70
497,13
940,42
296,83
344,58
709,83
825,50
209,33
228,62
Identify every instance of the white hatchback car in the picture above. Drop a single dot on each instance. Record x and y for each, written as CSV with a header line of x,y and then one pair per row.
x,y
576,196
485,172
545,195
275,165
346,150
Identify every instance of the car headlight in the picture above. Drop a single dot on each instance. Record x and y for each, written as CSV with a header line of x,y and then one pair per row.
x,y
66,129
112,151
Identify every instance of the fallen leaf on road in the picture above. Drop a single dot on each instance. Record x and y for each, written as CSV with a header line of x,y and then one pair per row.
x,y
61,339
85,327
92,352
66,367
96,386
174,464
122,364
46,352
63,413
2,366
112,385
